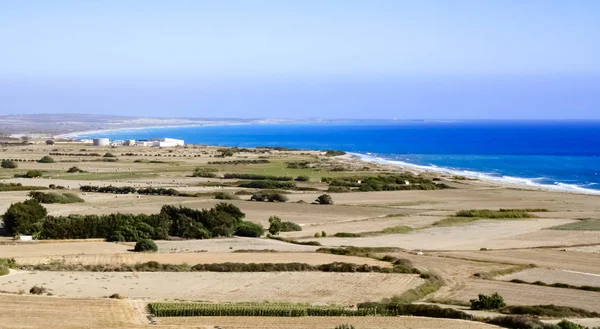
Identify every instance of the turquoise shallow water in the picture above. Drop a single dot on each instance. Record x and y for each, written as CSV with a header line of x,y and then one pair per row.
x,y
558,154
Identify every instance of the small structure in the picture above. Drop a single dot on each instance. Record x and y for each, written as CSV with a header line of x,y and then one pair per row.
x,y
166,142
129,142
25,238
101,142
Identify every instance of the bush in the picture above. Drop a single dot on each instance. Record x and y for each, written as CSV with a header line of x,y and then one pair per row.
x,y
3,270
46,159
53,197
302,178
49,142
24,218
344,326
30,174
249,229
268,184
205,172
37,290
332,153
145,245
484,302
275,225
109,155
257,177
74,170
324,199
225,196
9,164
268,196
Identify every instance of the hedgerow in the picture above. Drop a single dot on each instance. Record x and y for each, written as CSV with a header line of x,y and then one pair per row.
x,y
257,177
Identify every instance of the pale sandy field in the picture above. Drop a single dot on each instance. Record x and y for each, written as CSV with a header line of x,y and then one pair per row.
x,y
302,287
320,323
202,258
525,294
555,276
27,312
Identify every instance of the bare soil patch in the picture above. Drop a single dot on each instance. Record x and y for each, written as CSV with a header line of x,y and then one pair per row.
x,y
57,249
303,287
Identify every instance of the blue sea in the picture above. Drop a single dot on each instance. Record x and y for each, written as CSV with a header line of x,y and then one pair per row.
x,y
557,154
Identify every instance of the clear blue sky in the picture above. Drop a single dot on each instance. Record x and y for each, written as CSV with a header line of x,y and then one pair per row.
x,y
356,59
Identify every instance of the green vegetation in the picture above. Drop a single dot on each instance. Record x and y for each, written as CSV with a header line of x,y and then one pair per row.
x,y
24,218
145,245
388,182
205,172
38,290
528,322
484,302
46,159
344,326
5,187
557,285
498,214
9,164
324,199
394,308
53,197
225,196
400,229
4,270
268,196
249,229
130,190
504,271
268,184
30,174
358,251
74,170
432,284
581,225
304,243
276,226
332,153
257,177
109,155
298,165
302,178
552,311
238,162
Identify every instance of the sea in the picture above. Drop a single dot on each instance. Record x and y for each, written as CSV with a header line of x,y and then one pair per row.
x,y
561,155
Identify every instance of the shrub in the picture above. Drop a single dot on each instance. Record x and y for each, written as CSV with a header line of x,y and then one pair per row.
x,y
49,142
225,196
302,178
46,159
205,172
257,177
109,155
249,229
497,214
275,225
323,234
52,197
485,302
324,199
145,245
115,296
3,270
9,164
553,311
331,153
290,227
268,184
344,326
24,218
30,174
38,290
268,196
74,170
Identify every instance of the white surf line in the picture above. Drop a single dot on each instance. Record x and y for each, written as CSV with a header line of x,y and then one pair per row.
x,y
584,273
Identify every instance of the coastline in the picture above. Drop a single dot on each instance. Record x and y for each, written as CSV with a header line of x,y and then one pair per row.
x,y
505,181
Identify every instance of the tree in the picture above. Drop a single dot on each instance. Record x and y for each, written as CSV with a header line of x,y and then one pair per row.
x,y
46,159
275,225
49,142
145,245
249,229
9,164
492,302
324,199
24,218
225,152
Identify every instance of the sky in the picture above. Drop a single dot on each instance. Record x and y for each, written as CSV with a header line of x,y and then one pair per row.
x,y
461,59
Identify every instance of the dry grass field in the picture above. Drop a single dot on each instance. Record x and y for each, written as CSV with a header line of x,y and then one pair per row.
x,y
202,258
555,276
320,323
300,287
27,312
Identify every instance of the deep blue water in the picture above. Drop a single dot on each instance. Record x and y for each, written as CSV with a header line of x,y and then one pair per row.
x,y
563,154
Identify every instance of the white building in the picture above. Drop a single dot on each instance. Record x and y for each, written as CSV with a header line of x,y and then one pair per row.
x,y
101,142
166,142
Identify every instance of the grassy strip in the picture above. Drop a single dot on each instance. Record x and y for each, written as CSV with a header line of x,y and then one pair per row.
x,y
468,216
152,266
400,229
431,285
557,285
358,251
551,311
6,187
528,322
505,271
304,243
581,225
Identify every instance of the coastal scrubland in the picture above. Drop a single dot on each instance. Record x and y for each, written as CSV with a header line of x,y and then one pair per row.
x,y
249,225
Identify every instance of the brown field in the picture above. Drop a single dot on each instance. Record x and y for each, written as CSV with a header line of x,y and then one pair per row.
x,y
26,312
202,258
555,276
525,294
320,322
548,258
36,249
302,287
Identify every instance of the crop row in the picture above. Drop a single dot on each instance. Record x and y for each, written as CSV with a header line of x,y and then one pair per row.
x,y
199,309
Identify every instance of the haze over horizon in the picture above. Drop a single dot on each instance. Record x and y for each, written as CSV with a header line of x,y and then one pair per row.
x,y
336,59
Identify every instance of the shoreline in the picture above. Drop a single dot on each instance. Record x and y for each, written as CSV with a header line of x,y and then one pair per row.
x,y
507,181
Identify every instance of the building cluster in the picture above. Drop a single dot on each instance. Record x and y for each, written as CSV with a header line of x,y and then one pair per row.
x,y
160,142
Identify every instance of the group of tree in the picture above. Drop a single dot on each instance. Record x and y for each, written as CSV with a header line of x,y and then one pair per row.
x,y
30,174
223,220
276,225
391,182
268,184
268,196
